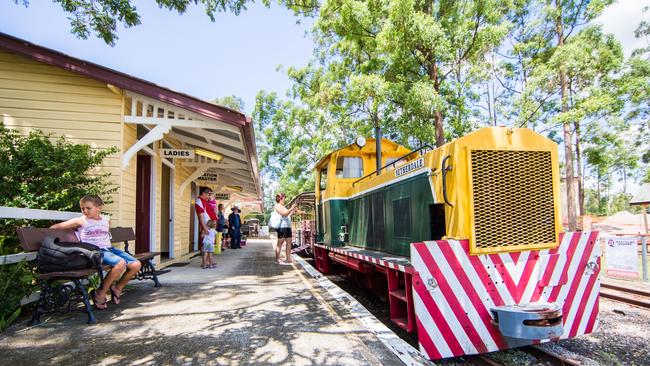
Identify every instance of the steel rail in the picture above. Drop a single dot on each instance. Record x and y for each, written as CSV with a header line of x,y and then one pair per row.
x,y
625,289
627,300
555,360
481,360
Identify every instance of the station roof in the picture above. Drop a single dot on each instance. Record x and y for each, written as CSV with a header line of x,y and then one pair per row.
x,y
194,122
642,197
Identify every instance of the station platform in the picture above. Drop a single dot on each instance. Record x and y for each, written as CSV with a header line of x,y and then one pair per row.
x,y
248,311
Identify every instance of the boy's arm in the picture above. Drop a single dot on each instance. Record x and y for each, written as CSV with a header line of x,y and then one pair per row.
x,y
70,224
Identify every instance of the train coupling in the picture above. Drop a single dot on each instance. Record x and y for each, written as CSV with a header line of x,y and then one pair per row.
x,y
529,321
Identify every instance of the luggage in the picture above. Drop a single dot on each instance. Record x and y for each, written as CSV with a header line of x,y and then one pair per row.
x,y
55,255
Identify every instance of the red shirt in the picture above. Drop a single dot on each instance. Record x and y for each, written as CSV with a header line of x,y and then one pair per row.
x,y
202,207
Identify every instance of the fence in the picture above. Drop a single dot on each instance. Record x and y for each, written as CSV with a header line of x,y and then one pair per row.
x,y
30,214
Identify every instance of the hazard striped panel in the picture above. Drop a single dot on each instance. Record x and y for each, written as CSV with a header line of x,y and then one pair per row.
x,y
454,291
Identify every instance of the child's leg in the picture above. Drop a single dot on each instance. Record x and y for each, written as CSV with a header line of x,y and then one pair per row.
x,y
204,260
118,265
131,270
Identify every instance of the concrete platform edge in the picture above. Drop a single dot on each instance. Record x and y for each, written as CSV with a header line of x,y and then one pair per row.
x,y
404,351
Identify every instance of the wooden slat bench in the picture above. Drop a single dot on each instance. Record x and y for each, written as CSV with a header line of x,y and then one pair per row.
x,y
64,297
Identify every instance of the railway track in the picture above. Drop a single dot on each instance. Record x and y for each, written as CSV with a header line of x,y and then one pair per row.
x,y
549,357
538,353
626,295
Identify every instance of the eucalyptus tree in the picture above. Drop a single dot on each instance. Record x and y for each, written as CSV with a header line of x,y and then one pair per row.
x,y
409,62
571,50
103,16
635,85
230,101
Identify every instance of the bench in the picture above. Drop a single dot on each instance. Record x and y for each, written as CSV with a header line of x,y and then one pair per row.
x,y
59,296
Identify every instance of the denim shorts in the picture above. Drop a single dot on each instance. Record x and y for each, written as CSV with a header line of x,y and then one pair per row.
x,y
112,256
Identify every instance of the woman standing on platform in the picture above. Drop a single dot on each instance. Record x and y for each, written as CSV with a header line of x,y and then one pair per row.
x,y
284,229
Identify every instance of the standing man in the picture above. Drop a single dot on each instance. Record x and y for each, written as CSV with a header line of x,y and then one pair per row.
x,y
201,207
234,222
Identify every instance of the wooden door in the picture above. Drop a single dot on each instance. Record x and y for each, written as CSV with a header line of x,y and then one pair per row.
x,y
142,205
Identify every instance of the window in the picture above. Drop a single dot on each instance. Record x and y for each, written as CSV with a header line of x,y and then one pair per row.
x,y
388,161
402,217
349,167
323,179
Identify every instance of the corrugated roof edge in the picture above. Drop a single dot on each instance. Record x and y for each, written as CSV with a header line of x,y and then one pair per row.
x,y
149,89
122,80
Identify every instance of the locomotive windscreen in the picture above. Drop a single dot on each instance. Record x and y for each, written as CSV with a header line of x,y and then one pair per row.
x,y
512,200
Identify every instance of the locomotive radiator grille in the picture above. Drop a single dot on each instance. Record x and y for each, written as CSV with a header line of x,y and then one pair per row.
x,y
512,200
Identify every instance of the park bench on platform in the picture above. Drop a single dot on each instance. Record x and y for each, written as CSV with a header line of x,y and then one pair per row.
x,y
63,297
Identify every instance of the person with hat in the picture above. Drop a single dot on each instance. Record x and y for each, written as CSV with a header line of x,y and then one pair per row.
x,y
234,222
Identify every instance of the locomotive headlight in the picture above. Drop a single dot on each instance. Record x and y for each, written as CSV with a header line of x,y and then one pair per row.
x,y
361,141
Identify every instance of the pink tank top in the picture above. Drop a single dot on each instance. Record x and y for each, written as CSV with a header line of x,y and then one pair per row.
x,y
95,232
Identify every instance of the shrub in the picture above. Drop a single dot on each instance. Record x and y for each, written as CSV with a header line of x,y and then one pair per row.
x,y
39,171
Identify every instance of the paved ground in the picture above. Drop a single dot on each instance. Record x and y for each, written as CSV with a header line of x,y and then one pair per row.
x,y
248,311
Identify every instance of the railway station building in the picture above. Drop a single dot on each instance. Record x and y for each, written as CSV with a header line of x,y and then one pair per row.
x,y
169,143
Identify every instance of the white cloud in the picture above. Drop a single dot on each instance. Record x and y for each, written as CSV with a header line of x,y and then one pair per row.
x,y
622,18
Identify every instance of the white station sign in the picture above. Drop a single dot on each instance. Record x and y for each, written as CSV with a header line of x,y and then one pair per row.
x,y
177,154
621,257
208,177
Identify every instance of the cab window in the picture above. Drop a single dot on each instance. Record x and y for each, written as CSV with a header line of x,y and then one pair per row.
x,y
322,179
349,167
388,161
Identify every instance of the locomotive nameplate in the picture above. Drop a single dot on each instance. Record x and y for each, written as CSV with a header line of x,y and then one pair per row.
x,y
416,164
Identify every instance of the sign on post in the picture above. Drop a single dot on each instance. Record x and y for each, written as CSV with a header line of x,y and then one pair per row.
x,y
222,196
177,154
209,177
621,257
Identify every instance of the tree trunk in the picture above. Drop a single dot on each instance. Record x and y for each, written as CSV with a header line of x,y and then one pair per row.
x,y
581,192
568,140
600,208
440,136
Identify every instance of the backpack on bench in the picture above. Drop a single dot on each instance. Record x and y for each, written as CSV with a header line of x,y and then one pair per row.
x,y
55,256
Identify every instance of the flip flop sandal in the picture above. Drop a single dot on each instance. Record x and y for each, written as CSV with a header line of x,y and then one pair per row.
x,y
115,298
99,305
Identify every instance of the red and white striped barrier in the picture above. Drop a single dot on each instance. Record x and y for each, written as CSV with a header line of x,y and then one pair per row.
x,y
454,291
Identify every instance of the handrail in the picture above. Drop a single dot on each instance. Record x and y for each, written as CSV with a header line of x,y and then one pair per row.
x,y
391,163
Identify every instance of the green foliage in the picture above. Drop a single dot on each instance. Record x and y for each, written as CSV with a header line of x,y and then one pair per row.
x,y
103,16
36,172
16,282
231,101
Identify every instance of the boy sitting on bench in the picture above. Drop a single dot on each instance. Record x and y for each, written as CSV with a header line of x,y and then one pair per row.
x,y
92,228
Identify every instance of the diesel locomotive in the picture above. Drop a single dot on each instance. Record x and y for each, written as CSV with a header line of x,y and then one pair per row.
x,y
465,241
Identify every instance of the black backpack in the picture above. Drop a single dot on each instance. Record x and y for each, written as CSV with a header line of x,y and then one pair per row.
x,y
55,256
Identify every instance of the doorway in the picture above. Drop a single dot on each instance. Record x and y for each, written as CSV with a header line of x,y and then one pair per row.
x,y
194,232
143,204
166,213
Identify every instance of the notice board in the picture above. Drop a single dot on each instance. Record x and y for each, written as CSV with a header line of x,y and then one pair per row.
x,y
621,257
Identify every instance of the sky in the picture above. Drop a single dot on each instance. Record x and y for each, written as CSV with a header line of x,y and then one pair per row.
x,y
235,55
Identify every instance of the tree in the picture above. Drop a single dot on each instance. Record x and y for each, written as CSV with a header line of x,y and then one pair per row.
x,y
549,91
230,101
51,175
103,16
409,63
